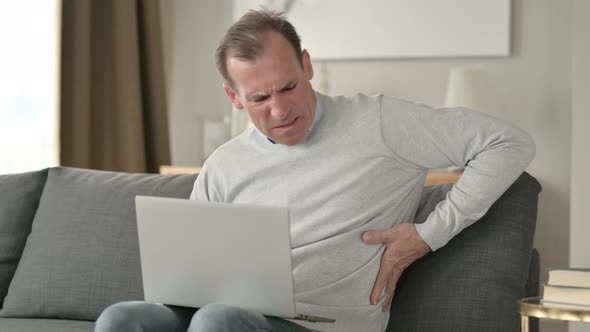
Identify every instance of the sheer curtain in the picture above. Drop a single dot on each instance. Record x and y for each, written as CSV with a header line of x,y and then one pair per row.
x,y
112,99
28,87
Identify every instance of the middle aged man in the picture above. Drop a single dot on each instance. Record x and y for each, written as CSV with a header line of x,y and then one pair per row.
x,y
350,169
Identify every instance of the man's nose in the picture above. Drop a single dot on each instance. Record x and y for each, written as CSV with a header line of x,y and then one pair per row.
x,y
279,109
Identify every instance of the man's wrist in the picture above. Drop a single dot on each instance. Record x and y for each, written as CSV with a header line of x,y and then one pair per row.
x,y
431,235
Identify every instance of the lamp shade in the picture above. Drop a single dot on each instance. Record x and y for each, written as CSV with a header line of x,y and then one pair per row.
x,y
470,86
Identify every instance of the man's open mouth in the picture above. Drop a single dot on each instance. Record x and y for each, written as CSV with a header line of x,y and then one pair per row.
x,y
287,124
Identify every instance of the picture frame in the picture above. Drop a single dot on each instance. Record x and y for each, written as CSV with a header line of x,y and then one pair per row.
x,y
382,29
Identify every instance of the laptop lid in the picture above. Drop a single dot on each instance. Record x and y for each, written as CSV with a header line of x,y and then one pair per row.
x,y
194,253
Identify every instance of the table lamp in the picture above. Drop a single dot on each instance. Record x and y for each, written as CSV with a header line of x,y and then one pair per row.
x,y
470,86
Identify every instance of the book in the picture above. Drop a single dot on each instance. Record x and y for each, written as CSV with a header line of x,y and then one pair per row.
x,y
569,277
551,304
579,296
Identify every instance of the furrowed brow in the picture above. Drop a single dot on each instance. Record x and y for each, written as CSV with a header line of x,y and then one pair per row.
x,y
256,96
288,85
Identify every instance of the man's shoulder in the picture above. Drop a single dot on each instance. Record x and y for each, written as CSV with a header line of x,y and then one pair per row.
x,y
356,102
232,149
365,102
348,112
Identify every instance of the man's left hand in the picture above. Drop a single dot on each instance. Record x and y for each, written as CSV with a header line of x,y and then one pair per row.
x,y
403,246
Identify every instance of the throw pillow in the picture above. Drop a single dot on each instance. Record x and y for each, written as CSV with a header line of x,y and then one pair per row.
x,y
82,254
19,198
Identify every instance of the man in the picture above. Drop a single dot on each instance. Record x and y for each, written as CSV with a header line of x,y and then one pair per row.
x,y
350,169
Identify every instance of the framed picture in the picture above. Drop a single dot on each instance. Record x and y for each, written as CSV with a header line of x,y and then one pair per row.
x,y
366,29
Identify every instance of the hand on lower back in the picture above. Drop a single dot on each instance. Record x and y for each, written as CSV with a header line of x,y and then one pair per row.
x,y
403,246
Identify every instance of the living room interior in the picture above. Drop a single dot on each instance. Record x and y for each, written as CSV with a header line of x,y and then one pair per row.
x,y
542,85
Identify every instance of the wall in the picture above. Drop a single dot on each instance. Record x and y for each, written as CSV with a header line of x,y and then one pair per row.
x,y
197,104
580,179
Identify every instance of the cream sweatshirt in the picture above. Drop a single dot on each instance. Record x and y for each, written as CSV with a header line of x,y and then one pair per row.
x,y
363,167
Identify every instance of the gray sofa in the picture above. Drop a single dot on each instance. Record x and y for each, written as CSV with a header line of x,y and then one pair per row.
x,y
69,248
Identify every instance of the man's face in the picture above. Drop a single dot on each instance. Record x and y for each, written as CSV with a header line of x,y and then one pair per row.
x,y
275,91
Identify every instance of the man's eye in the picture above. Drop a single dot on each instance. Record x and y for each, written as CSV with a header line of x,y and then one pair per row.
x,y
288,88
260,99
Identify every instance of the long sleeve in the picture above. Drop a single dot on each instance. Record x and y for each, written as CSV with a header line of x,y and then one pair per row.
x,y
493,152
201,186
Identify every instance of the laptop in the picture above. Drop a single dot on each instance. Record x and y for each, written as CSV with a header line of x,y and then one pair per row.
x,y
194,253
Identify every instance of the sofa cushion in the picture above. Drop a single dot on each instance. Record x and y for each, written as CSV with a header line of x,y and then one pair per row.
x,y
45,325
473,282
19,198
82,254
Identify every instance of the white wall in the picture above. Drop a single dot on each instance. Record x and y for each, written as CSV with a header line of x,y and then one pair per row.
x,y
197,103
580,180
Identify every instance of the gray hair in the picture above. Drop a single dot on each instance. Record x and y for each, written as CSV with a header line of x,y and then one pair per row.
x,y
245,38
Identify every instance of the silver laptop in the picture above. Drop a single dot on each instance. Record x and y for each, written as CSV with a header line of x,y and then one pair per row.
x,y
195,253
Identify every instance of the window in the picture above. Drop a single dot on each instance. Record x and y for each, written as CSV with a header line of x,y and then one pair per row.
x,y
28,84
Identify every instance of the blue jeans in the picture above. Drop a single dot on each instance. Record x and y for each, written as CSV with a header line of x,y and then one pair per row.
x,y
139,316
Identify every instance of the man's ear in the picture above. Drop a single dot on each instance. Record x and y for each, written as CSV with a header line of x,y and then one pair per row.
x,y
232,96
307,67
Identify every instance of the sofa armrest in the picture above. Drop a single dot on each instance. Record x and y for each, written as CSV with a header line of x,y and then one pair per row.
x,y
473,282
533,285
533,282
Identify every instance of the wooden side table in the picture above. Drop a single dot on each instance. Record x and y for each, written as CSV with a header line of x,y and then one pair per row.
x,y
440,177
533,307
433,177
167,169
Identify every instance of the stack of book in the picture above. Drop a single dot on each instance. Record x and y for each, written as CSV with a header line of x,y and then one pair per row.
x,y
568,288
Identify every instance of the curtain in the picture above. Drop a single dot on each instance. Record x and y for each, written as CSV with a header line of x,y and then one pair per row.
x,y
113,112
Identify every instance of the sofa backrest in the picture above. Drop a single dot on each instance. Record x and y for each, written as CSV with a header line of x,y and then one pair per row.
x,y
473,282
82,253
19,198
